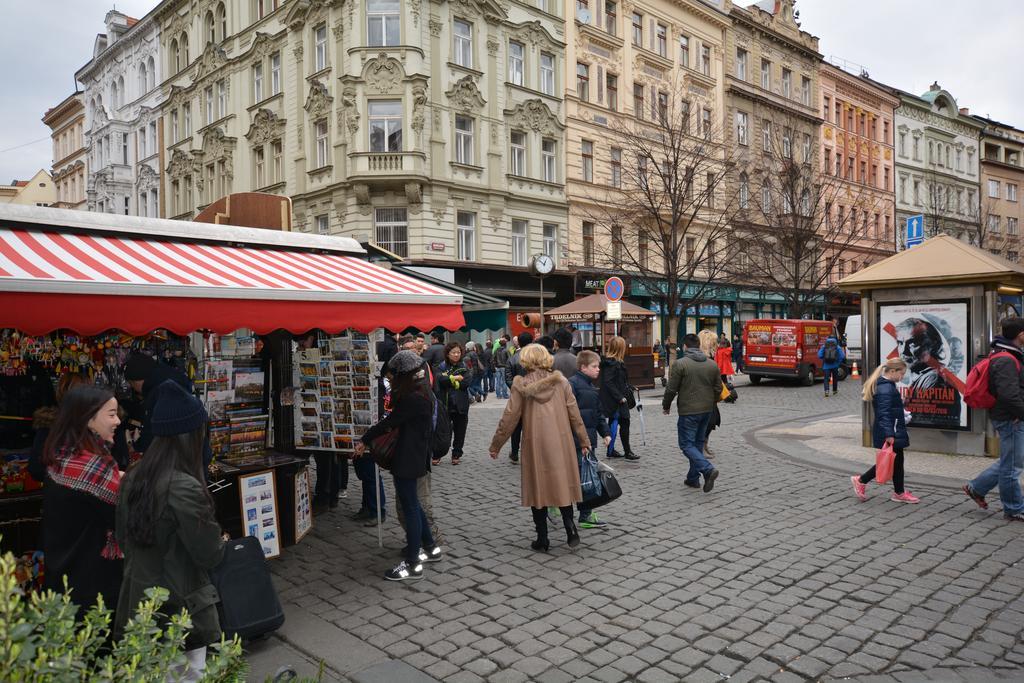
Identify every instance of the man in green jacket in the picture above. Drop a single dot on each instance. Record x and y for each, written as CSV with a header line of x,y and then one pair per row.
x,y
695,379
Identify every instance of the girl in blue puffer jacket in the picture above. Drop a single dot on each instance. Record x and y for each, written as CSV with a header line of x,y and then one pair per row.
x,y
889,427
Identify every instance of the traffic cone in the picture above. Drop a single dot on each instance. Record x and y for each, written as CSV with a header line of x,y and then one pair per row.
x,y
856,373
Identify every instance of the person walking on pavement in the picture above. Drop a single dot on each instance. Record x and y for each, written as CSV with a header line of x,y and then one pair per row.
x,y
487,367
412,410
471,361
453,382
709,344
516,369
616,395
501,359
723,358
737,353
1006,384
889,427
695,380
565,359
434,355
543,402
832,356
588,400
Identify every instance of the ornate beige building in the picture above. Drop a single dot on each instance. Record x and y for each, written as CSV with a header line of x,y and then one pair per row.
x,y
435,129
70,155
1002,176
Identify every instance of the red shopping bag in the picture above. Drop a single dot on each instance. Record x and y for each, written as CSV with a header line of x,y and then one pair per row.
x,y
883,464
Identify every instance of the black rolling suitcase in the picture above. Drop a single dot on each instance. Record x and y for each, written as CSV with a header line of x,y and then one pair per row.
x,y
248,602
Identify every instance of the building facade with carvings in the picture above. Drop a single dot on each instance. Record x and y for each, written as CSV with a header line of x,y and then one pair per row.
x,y
626,61
70,154
856,149
435,129
937,166
771,102
122,117
1002,176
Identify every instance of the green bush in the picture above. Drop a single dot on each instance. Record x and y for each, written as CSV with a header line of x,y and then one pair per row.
x,y
40,641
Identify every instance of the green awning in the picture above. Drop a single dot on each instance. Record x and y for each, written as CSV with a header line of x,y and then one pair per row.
x,y
481,311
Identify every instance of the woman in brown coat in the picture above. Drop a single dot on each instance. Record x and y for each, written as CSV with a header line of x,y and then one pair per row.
x,y
544,401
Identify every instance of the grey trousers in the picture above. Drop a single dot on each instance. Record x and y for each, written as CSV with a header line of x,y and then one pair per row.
x,y
423,493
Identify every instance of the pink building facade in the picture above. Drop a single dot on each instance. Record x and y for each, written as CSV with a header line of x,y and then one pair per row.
x,y
857,153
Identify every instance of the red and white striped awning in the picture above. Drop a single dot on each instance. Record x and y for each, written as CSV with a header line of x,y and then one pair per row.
x,y
91,282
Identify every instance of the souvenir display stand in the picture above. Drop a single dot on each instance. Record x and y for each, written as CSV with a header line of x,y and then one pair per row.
x,y
80,291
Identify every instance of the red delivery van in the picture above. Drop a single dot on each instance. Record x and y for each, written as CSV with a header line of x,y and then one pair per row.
x,y
786,349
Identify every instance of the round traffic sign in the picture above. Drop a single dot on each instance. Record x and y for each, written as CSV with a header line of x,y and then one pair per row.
x,y
614,289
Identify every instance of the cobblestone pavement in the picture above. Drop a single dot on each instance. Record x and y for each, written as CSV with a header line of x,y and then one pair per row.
x,y
778,574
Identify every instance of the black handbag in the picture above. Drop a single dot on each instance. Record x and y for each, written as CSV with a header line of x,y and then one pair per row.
x,y
382,448
631,396
610,490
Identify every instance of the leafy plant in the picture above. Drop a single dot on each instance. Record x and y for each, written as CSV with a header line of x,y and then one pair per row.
x,y
40,641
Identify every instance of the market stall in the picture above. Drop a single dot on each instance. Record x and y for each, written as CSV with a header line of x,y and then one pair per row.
x,y
79,291
589,315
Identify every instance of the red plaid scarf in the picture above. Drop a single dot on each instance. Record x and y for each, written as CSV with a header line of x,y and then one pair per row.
x,y
93,473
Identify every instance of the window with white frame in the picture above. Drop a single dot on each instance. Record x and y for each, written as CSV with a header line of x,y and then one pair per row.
x,y
638,29
391,228
517,160
549,158
551,241
322,143
805,90
807,149
588,243
993,223
174,126
616,167
277,153
741,64
705,60
587,160
320,47
1011,192
661,40
208,95
323,224
257,83
187,116
519,242
466,236
684,51
463,32
385,125
583,81
766,197
1011,225
766,75
516,63
787,83
141,136
222,98
547,73
742,128
766,135
610,15
611,87
464,140
275,73
259,168
744,191
383,18
993,189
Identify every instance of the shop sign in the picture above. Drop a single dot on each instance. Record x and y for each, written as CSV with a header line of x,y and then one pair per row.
x,y
437,246
594,284
710,310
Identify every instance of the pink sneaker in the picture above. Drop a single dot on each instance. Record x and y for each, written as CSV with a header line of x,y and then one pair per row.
x,y
905,497
860,489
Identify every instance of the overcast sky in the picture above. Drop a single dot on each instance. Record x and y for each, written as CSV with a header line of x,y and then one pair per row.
x,y
975,53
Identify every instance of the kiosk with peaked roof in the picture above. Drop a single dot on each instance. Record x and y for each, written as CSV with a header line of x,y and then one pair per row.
x,y
937,305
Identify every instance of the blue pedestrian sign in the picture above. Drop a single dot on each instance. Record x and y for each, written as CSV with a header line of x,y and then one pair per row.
x,y
915,230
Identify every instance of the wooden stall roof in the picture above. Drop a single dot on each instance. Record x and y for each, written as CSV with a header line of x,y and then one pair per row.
x,y
939,260
594,304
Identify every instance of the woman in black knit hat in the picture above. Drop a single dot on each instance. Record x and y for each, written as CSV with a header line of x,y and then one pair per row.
x,y
166,524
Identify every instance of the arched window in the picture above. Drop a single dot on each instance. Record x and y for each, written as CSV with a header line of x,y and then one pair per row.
x,y
150,73
120,91
184,49
143,79
210,28
175,55
113,95
744,191
222,21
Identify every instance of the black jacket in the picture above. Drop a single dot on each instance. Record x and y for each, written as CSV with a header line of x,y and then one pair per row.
x,y
588,399
1006,382
387,349
614,388
486,358
515,369
501,357
455,398
890,420
413,417
434,355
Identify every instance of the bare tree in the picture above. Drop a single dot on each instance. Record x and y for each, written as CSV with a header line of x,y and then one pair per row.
x,y
665,214
797,225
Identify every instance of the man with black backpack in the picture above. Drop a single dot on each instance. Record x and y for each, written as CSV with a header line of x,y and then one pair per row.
x,y
832,356
1006,384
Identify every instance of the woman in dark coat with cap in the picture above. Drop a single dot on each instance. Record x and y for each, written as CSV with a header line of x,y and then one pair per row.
x,y
166,524
412,414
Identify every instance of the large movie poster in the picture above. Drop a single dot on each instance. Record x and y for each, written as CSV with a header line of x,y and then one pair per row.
x,y
932,339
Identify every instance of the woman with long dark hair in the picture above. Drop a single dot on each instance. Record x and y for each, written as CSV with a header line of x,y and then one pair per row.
x,y
166,524
615,392
453,382
79,497
412,412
